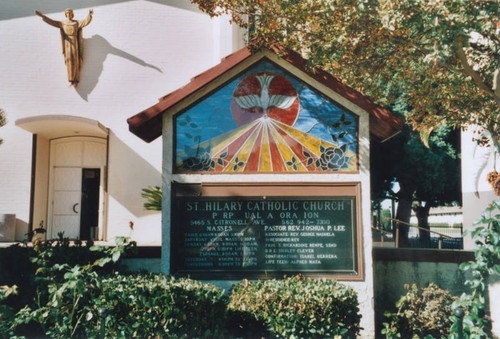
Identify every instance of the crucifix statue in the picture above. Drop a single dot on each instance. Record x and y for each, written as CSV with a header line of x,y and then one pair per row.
x,y
71,38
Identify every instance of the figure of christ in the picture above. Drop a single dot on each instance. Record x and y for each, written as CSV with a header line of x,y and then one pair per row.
x,y
71,38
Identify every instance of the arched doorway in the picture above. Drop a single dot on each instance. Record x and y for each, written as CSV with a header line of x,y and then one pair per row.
x,y
69,176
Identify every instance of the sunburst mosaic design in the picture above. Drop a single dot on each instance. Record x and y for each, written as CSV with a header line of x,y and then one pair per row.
x,y
266,120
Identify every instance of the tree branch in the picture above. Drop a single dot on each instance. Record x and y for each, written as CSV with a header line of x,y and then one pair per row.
x,y
496,82
474,75
408,42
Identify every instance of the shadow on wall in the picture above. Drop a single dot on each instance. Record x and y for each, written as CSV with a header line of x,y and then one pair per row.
x,y
17,9
22,228
93,63
129,173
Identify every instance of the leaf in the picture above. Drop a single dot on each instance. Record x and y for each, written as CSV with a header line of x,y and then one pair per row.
x,y
495,238
309,161
306,154
103,261
424,136
468,322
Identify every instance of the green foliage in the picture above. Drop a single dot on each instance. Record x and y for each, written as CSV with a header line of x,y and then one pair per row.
x,y
442,54
72,283
295,307
38,269
386,224
152,194
6,311
486,236
421,313
430,175
136,306
39,230
53,258
19,272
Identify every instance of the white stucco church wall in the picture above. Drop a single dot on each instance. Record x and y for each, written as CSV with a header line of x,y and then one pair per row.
x,y
477,193
134,52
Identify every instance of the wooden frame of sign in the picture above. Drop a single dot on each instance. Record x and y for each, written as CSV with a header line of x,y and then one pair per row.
x,y
267,230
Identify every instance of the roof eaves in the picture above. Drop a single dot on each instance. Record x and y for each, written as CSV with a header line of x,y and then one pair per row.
x,y
147,124
140,123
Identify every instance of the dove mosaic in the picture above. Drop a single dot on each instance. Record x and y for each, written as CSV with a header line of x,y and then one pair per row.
x,y
266,120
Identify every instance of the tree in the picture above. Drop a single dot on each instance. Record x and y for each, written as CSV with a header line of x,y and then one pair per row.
x,y
444,55
427,176
438,182
3,121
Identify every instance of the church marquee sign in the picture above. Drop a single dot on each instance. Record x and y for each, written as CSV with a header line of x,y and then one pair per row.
x,y
261,230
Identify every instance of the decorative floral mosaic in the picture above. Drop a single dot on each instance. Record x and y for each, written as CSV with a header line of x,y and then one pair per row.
x,y
266,120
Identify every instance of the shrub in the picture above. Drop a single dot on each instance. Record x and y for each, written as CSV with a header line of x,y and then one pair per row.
x,y
294,307
158,305
6,311
38,269
19,272
477,322
421,313
72,284
136,306
68,299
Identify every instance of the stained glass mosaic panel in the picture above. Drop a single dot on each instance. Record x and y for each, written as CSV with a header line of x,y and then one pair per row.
x,y
266,120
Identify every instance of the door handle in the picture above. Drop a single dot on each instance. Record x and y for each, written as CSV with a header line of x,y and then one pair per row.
x,y
74,208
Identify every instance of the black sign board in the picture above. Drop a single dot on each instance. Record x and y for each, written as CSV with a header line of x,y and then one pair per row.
x,y
262,235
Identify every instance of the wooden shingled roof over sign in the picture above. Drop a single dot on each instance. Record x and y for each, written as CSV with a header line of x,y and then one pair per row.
x,y
147,124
